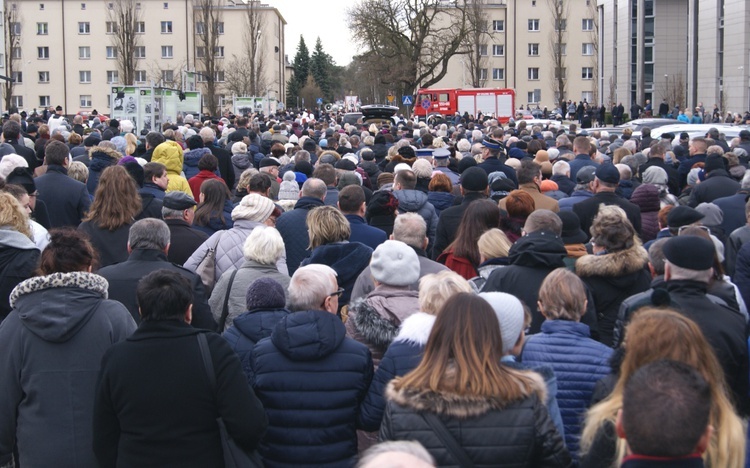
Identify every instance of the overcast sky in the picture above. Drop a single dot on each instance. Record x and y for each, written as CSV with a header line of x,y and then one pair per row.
x,y
313,18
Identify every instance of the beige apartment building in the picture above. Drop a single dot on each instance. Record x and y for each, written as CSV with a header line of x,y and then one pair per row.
x,y
519,51
67,54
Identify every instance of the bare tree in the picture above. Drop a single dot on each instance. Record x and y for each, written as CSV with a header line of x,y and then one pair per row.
x,y
125,16
208,24
674,90
12,26
560,10
173,80
238,77
475,41
612,96
253,44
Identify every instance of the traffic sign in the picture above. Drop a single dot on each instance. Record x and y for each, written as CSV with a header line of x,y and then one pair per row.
x,y
407,100
426,104
320,101
391,97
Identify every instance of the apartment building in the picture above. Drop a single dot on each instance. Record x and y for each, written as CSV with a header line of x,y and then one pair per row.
x,y
689,52
67,53
520,48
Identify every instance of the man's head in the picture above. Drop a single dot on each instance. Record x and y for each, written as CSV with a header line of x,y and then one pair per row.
x,y
149,233
207,134
156,173
405,180
411,229
581,145
326,173
164,295
11,130
314,188
259,183
178,205
154,139
607,178
543,220
56,152
352,200
656,259
689,258
697,146
529,172
561,168
665,412
313,287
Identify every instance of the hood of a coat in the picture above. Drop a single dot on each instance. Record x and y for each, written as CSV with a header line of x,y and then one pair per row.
x,y
55,307
14,239
259,323
410,200
538,249
192,157
416,329
169,153
348,259
379,315
613,265
102,158
646,196
241,160
309,335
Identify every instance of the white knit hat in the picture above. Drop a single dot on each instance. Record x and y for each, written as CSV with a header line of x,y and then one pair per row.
x,y
509,312
395,264
253,207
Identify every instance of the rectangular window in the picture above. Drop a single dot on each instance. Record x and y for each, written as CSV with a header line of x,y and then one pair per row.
x,y
483,50
167,75
83,6
561,25
16,28
42,29
113,76
166,5
587,24
85,100
199,28
44,101
16,101
201,77
84,76
42,52
140,27
84,52
140,52
533,50
111,52
200,52
111,27
533,25
138,6
140,76
84,28
587,49
2,60
498,50
219,76
498,74
17,77
166,27
587,73
41,6
533,73
220,27
562,49
44,77
534,96
16,52
166,51
498,25
587,96
219,52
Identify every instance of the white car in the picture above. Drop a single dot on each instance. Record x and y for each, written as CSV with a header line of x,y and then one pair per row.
x,y
699,130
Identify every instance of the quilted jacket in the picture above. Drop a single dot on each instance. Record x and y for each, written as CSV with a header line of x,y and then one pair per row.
x,y
348,259
293,230
414,201
190,161
646,196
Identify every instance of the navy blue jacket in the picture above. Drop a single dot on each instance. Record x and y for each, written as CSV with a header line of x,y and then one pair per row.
x,y
491,165
578,361
311,380
733,208
247,329
364,233
67,199
348,259
291,225
579,162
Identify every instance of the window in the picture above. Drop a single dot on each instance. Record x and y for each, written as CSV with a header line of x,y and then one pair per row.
x,y
199,28
84,52
111,27
220,27
113,77
85,100
219,75
44,77
110,6
84,28
44,101
498,74
561,25
83,6
138,6
16,101
84,76
587,96
219,51
140,76
587,48
587,73
534,96
16,53
166,5
483,50
17,77
498,50
562,48
111,52
41,6
587,24
563,75
140,27
16,28
200,52
166,27
2,60
42,29
533,73
201,77
533,25
42,52
534,50
140,52
166,51
167,75
498,25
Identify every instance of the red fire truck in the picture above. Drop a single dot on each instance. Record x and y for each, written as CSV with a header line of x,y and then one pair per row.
x,y
445,102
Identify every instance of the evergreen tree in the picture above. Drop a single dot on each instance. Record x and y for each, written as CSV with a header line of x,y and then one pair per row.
x,y
301,66
321,65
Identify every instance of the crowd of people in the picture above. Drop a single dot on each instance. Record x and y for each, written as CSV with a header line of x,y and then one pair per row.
x,y
319,293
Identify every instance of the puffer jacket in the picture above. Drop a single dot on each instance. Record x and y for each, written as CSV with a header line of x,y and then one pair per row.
x,y
311,380
374,320
53,343
291,225
440,200
348,259
240,162
19,258
249,328
228,245
190,161
646,196
215,222
414,201
169,153
611,278
492,432
101,158
578,361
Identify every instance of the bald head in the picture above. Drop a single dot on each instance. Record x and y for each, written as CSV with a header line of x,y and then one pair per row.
x,y
314,188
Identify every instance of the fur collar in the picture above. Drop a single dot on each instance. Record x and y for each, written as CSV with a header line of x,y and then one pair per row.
x,y
416,329
76,279
374,327
612,264
459,406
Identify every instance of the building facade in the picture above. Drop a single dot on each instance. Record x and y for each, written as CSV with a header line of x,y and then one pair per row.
x,y
67,53
522,48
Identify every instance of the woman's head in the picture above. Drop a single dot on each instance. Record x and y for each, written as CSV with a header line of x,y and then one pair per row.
x,y
479,216
13,215
264,245
611,229
562,296
213,195
437,288
116,200
519,204
493,244
440,183
254,207
327,225
69,250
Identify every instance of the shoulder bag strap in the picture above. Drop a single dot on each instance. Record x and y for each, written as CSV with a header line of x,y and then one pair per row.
x,y
450,442
225,309
207,363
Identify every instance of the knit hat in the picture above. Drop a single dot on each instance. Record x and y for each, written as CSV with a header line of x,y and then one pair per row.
x,y
239,148
465,163
395,264
693,176
253,207
385,178
10,162
265,293
289,188
21,176
509,312
422,168
714,162
655,175
474,179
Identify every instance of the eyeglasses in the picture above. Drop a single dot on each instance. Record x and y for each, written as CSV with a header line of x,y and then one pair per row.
x,y
702,228
338,292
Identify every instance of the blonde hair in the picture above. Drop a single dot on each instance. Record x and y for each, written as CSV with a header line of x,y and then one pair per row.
x,y
436,288
78,171
12,214
563,296
655,334
494,244
132,144
326,224
245,177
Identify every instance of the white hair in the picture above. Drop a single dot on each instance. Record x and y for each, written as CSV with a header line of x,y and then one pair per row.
x,y
560,168
309,287
463,145
264,245
126,126
207,133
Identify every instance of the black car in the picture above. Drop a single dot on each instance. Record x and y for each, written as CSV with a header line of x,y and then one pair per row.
x,y
373,113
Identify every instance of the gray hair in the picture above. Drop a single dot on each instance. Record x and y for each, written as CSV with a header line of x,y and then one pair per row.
x,y
411,229
715,150
264,245
314,187
463,145
560,168
149,233
684,274
302,155
170,213
309,287
656,255
407,447
543,220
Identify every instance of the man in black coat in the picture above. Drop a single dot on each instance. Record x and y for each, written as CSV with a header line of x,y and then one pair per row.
x,y
292,224
157,400
494,158
226,170
67,200
148,244
604,186
717,184
178,211
153,139
12,136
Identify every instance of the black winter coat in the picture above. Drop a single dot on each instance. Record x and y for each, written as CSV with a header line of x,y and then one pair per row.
x,y
718,184
226,170
291,225
184,240
492,432
587,210
19,258
448,223
67,199
111,246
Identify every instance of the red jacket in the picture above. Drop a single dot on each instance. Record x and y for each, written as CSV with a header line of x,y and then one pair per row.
x,y
196,181
460,265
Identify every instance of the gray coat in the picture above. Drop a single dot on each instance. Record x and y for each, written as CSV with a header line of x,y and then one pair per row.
x,y
246,274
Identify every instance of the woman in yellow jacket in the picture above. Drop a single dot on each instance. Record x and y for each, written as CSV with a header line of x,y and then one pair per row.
x,y
169,153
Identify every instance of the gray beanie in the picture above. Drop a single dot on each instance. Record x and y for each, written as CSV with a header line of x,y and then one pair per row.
x,y
265,293
655,175
395,264
509,312
289,188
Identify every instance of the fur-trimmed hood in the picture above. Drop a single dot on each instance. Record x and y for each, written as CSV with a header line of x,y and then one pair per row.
x,y
416,329
613,264
102,158
378,316
460,406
